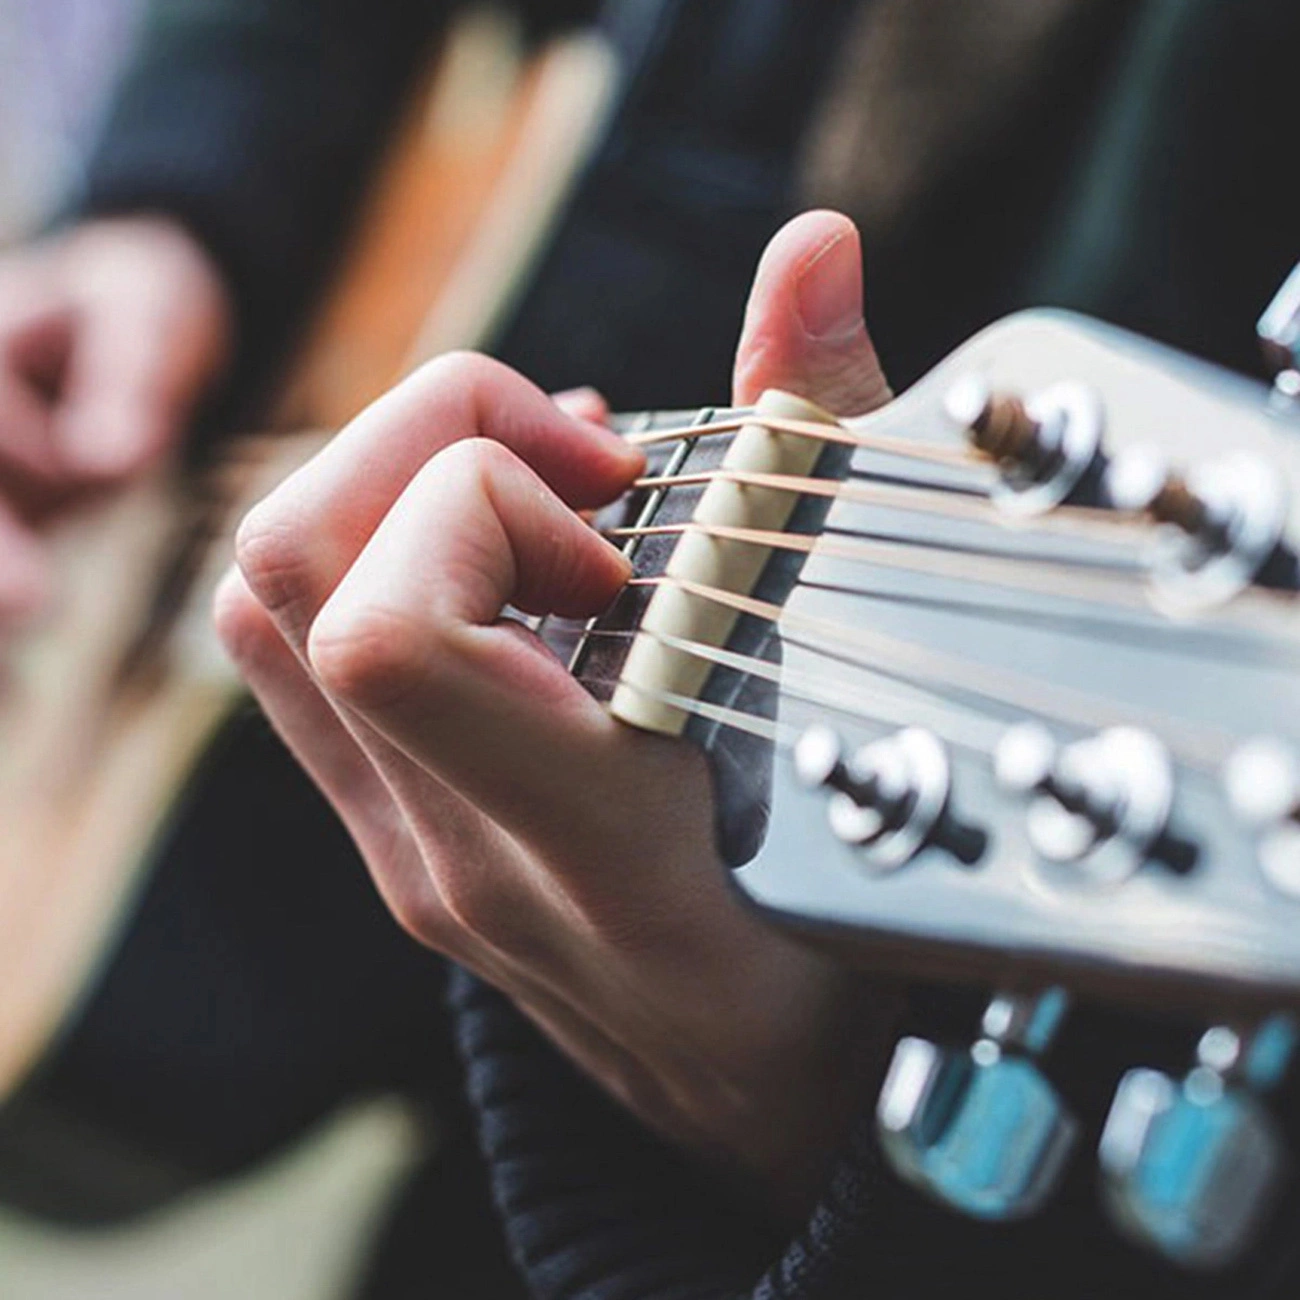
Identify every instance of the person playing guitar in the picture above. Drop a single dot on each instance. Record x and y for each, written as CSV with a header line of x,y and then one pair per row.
x,y
510,823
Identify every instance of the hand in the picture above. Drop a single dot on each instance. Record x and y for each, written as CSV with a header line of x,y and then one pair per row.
x,y
108,336
508,820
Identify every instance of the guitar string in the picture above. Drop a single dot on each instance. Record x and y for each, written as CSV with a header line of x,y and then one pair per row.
x,y
1199,747
1218,643
904,448
1003,570
889,703
1093,523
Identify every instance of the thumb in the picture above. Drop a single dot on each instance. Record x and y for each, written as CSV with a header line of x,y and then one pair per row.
x,y
804,329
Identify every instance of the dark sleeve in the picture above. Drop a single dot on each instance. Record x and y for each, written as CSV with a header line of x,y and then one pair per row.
x,y
595,1208
255,122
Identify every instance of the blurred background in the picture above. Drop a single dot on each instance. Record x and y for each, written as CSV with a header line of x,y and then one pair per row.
x,y
58,59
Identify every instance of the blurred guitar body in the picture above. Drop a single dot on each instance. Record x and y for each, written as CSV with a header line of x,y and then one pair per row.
x,y
108,707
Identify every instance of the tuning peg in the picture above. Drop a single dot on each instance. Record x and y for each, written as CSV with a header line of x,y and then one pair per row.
x,y
1226,520
889,798
982,1130
1262,779
1191,1168
1102,802
1279,334
1044,445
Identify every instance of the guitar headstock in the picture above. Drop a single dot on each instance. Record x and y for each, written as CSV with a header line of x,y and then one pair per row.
x,y
1011,702
1113,696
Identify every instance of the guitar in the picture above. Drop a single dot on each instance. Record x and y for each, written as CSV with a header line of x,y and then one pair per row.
x,y
998,682
996,685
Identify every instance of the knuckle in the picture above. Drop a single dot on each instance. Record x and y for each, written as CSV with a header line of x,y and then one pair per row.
x,y
369,657
457,370
473,462
273,554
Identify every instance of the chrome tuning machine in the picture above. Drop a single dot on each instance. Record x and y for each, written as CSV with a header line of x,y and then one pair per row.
x,y
1224,521
1262,778
1102,802
1279,335
889,798
1190,1169
982,1130
1043,445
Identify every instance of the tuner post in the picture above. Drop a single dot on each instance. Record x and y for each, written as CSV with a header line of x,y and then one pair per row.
x,y
889,799
998,423
1102,802
1043,445
1225,520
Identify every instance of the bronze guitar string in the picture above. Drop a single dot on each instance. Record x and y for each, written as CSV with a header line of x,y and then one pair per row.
x,y
835,433
991,568
1202,748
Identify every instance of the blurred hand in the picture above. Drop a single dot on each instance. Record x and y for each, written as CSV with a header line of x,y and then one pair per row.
x,y
508,819
109,335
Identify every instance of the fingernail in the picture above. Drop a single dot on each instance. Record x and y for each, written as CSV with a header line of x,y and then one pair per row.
x,y
829,294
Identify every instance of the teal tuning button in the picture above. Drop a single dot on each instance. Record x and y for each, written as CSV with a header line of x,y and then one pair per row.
x,y
1190,1168
981,1130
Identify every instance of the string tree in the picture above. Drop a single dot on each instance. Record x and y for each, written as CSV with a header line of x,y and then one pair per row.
x,y
981,1129
1044,445
1101,804
1191,1168
1222,523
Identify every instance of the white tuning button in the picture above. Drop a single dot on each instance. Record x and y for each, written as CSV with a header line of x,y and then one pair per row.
x,y
819,757
1102,802
1043,445
1136,476
887,798
1262,779
1225,521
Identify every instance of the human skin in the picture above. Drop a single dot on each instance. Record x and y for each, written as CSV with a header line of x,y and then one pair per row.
x,y
508,820
110,333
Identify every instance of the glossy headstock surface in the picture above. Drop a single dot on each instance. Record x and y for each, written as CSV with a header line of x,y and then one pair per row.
x,y
969,623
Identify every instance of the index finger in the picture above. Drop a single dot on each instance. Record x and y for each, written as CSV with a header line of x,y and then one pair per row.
x,y
296,545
